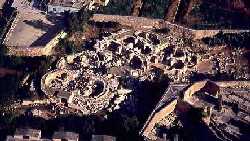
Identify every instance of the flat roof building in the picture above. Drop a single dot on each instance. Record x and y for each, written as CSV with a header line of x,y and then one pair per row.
x,y
60,6
26,135
103,138
36,135
65,136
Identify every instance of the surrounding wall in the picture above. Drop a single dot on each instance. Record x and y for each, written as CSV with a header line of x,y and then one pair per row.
x,y
47,50
142,23
44,82
8,26
193,89
157,116
234,84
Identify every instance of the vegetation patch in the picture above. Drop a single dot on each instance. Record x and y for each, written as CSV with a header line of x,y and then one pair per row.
x,y
117,7
154,8
239,40
211,16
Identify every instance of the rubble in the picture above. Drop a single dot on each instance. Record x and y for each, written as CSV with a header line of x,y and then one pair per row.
x,y
87,81
224,107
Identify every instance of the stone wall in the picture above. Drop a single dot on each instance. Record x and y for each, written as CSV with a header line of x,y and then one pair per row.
x,y
234,84
48,49
131,21
12,26
8,25
44,82
142,23
156,117
193,89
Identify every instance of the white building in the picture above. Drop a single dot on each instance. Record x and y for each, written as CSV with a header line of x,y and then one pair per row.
x,y
60,6
65,136
26,135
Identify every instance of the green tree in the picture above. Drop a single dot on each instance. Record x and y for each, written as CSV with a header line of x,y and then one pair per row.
x,y
77,21
130,123
67,46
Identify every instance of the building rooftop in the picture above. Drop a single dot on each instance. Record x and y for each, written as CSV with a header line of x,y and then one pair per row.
x,y
103,138
10,138
90,4
36,27
26,135
67,3
35,135
66,135
31,31
28,132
